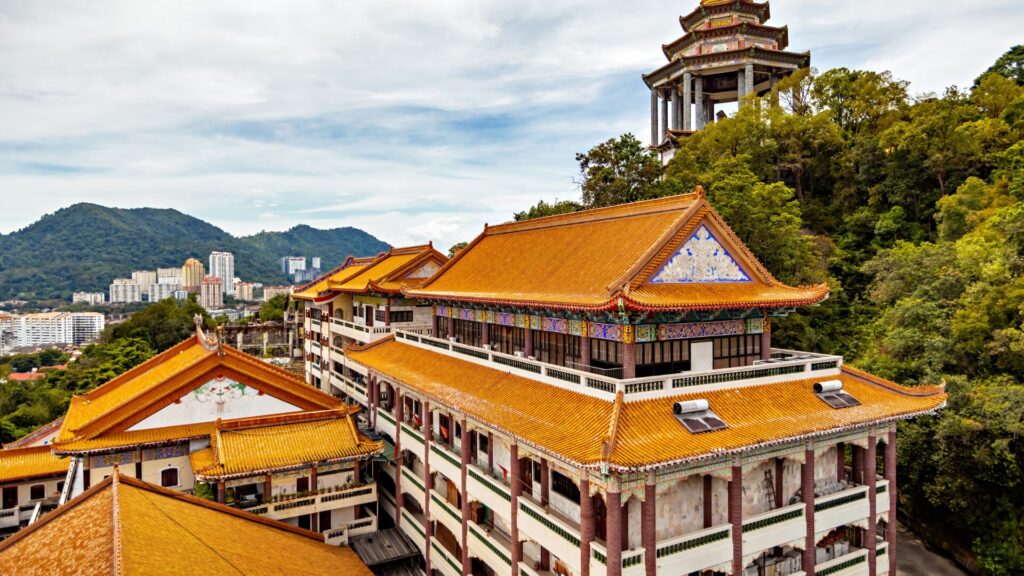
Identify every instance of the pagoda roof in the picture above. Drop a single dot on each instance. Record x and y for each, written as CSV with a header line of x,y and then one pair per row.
x,y
261,445
316,289
588,431
710,8
117,405
779,33
697,62
128,527
391,270
17,464
616,257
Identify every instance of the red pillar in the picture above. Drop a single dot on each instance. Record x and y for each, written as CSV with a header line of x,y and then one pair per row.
x,y
399,410
628,360
268,488
707,503
613,528
890,475
586,525
545,494
858,465
649,525
766,339
736,517
387,312
485,333
490,451
517,490
871,475
840,461
221,492
779,499
451,330
807,491
527,342
585,352
466,563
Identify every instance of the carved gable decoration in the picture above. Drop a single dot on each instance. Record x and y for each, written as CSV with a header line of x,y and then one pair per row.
x,y
425,271
701,259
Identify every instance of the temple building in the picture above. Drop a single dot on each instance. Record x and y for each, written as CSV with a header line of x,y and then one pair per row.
x,y
598,395
124,526
359,302
726,53
204,418
31,480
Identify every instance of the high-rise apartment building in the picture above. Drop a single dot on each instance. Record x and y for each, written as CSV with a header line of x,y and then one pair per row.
x,y
8,335
315,262
168,276
144,278
86,326
292,264
271,291
90,298
125,290
54,328
211,292
222,265
158,291
192,274
244,291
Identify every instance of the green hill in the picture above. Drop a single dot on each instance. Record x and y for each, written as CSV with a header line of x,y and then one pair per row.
x,y
84,246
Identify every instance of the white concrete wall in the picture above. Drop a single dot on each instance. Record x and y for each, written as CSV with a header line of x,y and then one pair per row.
x,y
679,507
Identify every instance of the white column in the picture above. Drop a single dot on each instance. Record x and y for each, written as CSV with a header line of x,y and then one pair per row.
x,y
687,101
654,117
749,77
664,116
698,99
674,99
741,86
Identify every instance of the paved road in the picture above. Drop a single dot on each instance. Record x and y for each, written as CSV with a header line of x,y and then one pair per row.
x,y
913,558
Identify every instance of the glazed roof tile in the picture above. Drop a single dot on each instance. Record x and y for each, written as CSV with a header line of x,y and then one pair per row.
x,y
128,527
590,431
388,272
32,462
350,267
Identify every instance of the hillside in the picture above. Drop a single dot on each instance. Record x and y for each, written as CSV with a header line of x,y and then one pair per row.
x,y
84,246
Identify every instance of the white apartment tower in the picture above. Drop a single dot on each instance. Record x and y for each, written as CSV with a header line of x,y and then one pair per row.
x,y
125,290
222,265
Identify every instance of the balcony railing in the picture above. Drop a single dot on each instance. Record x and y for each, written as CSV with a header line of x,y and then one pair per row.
x,y
774,528
340,535
318,502
841,508
784,365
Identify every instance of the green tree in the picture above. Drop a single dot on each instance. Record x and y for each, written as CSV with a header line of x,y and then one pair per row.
x,y
273,309
621,170
541,209
162,324
1009,65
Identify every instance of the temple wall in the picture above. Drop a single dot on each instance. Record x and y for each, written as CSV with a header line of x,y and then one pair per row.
x,y
679,507
564,506
759,489
825,464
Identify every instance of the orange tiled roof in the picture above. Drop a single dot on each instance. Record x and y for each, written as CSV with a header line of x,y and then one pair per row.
x,y
390,271
259,446
603,258
143,390
128,527
32,462
37,435
315,289
590,431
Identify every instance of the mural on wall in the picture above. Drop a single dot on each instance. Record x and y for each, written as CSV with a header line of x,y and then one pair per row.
x,y
701,259
217,398
425,271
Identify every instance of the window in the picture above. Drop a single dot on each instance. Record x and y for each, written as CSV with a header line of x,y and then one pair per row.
x,y
662,357
441,326
169,477
37,492
564,486
60,486
378,315
401,316
468,332
556,348
735,351
507,339
605,353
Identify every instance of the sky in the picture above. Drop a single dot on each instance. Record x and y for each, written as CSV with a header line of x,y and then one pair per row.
x,y
414,120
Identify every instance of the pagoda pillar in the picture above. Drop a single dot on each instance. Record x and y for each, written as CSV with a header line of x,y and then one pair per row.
x,y
545,494
766,337
654,116
687,101
517,490
628,360
664,117
613,527
451,326
890,475
741,86
268,488
807,495
528,341
649,524
698,100
674,99
490,451
736,515
485,333
399,415
221,492
466,562
748,77
586,524
871,475
387,312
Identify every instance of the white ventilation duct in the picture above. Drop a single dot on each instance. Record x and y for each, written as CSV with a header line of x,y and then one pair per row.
x,y
690,406
828,386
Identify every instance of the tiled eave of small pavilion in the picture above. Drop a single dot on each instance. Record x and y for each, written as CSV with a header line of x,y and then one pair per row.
x,y
755,54
761,11
780,35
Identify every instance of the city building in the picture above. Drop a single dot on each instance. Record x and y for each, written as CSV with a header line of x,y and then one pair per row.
x,y
8,333
31,477
271,291
90,298
211,293
222,265
726,53
598,395
292,264
359,302
205,418
161,291
244,291
125,290
86,326
129,527
168,276
192,274
145,279
48,328
315,262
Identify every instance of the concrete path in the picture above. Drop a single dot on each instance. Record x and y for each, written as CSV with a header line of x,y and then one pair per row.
x,y
913,558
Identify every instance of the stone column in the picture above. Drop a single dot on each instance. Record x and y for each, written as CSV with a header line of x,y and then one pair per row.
x,y
613,527
664,117
687,101
586,525
426,430
654,116
840,461
399,416
807,494
736,515
674,99
517,490
545,495
628,360
890,475
779,499
649,524
707,502
871,476
748,77
741,86
466,563
698,101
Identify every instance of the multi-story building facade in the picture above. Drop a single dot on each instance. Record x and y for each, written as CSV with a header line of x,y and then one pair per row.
x,y
124,291
160,291
192,274
8,333
211,293
86,326
271,291
90,298
292,264
599,395
168,276
222,265
244,291
52,328
359,302
145,279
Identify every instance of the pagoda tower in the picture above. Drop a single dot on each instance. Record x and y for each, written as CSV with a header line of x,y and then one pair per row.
x,y
726,52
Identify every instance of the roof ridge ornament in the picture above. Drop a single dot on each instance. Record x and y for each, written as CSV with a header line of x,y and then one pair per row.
x,y
209,343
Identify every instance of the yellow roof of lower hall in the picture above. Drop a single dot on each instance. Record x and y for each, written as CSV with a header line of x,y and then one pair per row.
x,y
32,462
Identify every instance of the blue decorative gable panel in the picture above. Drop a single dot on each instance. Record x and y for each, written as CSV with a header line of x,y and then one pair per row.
x,y
701,259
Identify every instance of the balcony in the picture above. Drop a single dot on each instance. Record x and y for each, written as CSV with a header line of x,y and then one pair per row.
x,y
412,441
445,461
444,561
385,422
881,496
492,547
490,491
446,513
350,387
785,365
413,527
778,527
340,535
558,534
848,506
853,564
413,486
358,332
697,551
315,503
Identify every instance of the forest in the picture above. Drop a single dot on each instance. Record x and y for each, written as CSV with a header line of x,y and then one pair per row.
x,y
912,209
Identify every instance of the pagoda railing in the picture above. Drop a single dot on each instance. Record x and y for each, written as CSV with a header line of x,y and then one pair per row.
x,y
783,365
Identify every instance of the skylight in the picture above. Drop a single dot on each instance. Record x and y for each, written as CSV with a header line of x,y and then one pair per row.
x,y
831,393
696,416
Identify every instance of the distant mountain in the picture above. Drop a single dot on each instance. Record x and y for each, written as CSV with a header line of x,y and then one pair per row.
x,y
85,246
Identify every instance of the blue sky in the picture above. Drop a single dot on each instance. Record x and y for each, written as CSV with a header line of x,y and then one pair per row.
x,y
413,120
